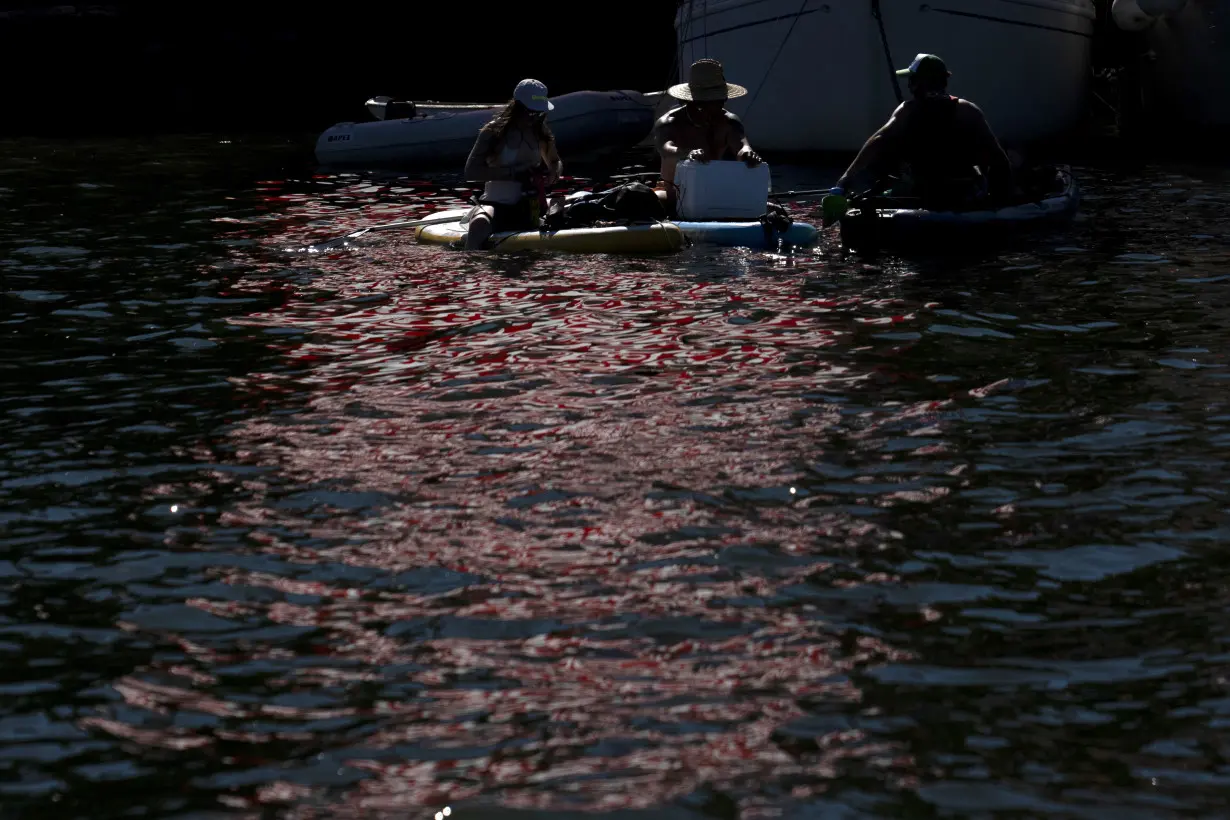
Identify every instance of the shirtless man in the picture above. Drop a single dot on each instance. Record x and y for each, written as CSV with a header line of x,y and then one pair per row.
x,y
701,129
945,141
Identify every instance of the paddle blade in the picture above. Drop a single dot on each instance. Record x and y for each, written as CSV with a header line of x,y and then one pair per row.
x,y
833,207
345,239
334,244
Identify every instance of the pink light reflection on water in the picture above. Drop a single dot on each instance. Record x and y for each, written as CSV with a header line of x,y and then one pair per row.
x,y
583,442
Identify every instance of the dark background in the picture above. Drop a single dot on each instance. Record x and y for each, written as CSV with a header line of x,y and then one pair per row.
x,y
188,66
184,65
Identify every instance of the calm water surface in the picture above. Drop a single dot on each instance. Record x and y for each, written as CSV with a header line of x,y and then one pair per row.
x,y
723,534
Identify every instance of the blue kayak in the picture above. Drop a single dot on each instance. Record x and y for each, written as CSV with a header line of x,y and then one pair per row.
x,y
884,221
749,234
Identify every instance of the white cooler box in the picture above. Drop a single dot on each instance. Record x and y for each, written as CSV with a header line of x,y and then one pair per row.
x,y
721,190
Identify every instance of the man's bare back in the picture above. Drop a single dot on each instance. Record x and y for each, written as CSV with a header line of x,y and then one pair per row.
x,y
928,81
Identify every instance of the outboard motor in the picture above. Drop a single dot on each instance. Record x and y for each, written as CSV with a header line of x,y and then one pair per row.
x,y
387,108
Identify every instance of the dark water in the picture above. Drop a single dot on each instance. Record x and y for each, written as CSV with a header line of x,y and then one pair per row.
x,y
723,534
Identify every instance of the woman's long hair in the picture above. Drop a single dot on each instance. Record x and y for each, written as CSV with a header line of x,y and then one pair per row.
x,y
510,115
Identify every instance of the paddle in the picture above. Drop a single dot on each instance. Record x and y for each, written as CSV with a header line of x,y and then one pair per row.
x,y
541,185
801,193
833,206
342,241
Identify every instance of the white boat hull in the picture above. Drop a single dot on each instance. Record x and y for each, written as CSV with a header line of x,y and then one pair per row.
x,y
818,78
440,135
1188,80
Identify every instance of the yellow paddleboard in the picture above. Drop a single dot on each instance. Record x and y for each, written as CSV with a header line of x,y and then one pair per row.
x,y
659,237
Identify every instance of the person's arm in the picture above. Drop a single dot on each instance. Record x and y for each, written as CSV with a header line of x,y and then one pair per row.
x,y
737,142
555,165
876,146
662,138
990,153
477,169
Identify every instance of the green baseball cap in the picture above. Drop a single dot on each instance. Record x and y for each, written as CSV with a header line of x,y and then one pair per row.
x,y
926,65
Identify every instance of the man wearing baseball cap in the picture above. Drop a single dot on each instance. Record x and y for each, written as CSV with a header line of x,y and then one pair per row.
x,y
945,142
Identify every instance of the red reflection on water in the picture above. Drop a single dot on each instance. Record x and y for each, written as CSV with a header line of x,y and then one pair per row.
x,y
605,448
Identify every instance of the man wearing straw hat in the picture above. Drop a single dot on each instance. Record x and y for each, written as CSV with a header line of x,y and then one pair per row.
x,y
701,129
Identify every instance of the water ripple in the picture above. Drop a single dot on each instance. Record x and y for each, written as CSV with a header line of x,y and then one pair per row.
x,y
726,534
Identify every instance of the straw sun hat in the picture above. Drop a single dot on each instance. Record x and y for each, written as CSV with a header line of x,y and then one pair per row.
x,y
707,84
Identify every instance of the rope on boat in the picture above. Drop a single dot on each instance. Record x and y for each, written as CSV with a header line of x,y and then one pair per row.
x,y
752,103
888,55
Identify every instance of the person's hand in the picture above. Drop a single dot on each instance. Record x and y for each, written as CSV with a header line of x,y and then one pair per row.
x,y
833,206
698,155
750,157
